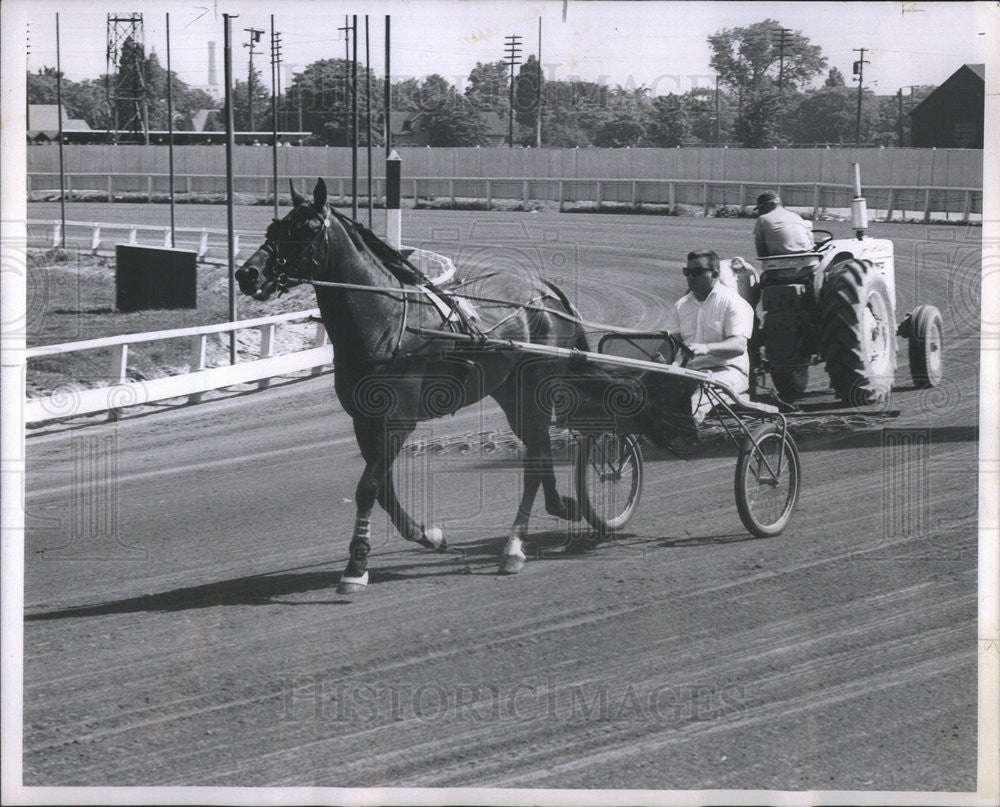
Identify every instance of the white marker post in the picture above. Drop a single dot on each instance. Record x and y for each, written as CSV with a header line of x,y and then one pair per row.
x,y
393,215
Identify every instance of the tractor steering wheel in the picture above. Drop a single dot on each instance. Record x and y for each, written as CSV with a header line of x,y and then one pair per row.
x,y
818,243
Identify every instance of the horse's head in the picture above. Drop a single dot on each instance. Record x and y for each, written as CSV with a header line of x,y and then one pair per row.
x,y
293,247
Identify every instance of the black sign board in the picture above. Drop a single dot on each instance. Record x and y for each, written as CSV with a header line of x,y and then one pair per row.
x,y
151,277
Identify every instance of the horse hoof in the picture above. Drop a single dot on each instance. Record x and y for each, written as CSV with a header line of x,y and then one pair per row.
x,y
511,564
433,539
352,585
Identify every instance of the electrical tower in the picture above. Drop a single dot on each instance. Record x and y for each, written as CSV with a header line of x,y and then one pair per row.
x,y
125,78
255,35
512,57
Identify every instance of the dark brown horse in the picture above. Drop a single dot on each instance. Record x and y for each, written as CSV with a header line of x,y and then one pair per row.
x,y
388,378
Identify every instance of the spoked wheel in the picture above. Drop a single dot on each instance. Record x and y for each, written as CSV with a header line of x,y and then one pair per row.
x,y
608,479
768,477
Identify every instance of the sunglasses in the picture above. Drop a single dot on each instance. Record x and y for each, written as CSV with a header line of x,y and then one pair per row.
x,y
695,272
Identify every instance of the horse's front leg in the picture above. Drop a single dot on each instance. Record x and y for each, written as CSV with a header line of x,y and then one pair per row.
x,y
376,445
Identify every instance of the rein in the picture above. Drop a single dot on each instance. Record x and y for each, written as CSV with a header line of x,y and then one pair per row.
x,y
388,290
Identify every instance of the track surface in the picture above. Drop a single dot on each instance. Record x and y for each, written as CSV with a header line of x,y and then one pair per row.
x,y
183,626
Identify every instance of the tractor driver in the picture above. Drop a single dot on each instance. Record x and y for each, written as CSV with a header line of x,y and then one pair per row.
x,y
716,324
779,231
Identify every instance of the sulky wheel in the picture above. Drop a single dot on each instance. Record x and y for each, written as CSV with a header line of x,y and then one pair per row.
x,y
768,477
790,384
925,344
857,335
608,479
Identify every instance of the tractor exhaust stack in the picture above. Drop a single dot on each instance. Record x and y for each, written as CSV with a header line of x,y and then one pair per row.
x,y
859,207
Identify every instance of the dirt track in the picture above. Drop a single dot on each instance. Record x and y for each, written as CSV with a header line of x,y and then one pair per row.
x,y
183,628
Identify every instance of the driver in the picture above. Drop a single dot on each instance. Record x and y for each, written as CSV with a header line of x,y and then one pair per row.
x,y
780,231
716,324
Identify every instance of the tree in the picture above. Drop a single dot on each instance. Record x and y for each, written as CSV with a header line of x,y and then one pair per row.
x,y
526,96
750,62
700,109
829,115
488,87
448,119
756,124
323,91
670,124
261,105
747,58
834,78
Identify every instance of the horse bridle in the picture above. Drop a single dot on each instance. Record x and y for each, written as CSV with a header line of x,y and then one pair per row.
x,y
276,262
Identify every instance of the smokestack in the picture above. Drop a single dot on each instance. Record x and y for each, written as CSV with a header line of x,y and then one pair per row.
x,y
211,65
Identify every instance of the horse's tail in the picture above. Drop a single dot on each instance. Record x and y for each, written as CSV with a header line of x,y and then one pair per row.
x,y
581,342
604,397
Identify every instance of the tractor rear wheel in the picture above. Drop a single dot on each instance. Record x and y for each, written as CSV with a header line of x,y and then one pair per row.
x,y
857,336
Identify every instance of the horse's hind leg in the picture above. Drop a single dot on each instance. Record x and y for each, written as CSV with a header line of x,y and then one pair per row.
x,y
531,424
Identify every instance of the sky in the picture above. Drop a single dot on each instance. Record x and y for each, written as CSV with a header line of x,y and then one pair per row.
x,y
660,45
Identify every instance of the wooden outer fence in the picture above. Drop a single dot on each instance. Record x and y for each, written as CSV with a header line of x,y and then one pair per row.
x,y
611,192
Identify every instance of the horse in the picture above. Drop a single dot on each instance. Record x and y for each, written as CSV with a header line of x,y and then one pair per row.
x,y
389,376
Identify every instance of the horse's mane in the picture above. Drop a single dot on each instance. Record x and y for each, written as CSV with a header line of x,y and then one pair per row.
x,y
393,260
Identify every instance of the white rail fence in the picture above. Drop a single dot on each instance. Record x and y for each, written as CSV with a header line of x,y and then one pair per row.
x,y
69,401
122,392
922,199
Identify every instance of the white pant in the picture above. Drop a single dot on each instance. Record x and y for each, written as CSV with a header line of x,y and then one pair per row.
x,y
700,403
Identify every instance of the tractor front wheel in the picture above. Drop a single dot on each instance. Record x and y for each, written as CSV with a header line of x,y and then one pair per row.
x,y
925,346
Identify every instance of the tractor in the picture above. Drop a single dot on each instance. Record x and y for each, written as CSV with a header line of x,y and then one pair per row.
x,y
837,304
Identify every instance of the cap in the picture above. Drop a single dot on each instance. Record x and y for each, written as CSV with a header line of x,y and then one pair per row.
x,y
766,198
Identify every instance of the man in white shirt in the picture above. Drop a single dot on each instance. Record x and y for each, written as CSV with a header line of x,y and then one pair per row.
x,y
779,231
716,324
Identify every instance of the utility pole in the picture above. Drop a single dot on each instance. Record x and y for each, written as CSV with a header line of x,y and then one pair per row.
x,y
255,35
718,130
354,121
388,94
513,57
900,128
859,71
538,97
783,36
346,28
275,91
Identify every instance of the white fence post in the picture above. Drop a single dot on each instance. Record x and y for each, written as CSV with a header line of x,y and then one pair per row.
x,y
890,204
927,205
203,244
319,341
967,207
56,234
119,363
132,235
266,349
199,359
95,237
